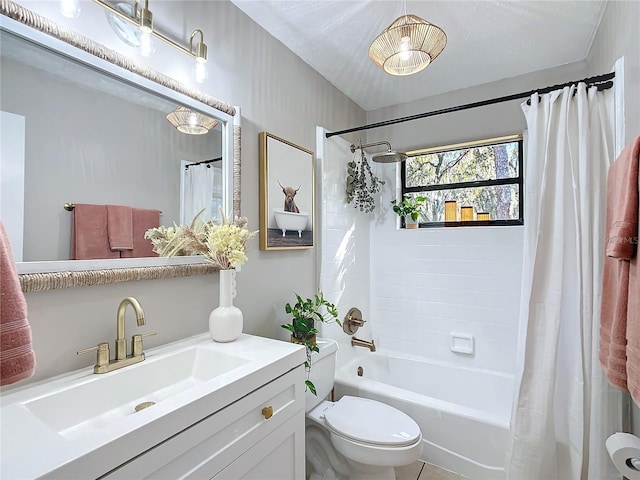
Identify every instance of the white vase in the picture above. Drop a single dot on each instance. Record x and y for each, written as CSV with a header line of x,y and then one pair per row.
x,y
225,321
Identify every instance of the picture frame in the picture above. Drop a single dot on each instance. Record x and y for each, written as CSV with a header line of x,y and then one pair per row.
x,y
287,196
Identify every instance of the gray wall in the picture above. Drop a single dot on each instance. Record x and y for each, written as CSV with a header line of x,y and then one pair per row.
x,y
278,93
619,36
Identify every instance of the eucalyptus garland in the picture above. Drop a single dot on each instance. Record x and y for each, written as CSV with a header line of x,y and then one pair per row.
x,y
362,184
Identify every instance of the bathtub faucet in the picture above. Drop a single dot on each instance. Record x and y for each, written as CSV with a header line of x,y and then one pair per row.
x,y
356,342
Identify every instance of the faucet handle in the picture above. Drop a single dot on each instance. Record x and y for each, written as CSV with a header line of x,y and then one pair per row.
x,y
136,343
102,357
352,321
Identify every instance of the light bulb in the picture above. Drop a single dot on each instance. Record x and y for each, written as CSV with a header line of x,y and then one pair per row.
x,y
405,52
69,8
200,72
147,45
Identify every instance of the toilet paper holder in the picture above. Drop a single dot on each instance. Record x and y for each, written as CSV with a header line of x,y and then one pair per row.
x,y
624,451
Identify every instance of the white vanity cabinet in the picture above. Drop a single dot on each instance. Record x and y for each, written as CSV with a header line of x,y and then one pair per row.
x,y
214,410
236,442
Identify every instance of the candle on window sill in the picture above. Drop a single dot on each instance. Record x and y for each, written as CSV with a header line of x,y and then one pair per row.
x,y
466,214
450,211
482,216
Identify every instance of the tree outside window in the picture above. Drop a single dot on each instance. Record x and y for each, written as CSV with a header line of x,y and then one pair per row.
x,y
486,175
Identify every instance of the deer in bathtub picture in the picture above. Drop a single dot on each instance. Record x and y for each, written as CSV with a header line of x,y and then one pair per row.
x,y
290,217
286,195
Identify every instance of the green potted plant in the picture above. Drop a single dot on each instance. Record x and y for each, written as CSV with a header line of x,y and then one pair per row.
x,y
304,313
410,208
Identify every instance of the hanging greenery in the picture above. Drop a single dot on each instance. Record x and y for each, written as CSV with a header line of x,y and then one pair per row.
x,y
362,184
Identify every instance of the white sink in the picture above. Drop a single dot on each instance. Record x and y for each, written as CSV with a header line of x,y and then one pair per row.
x,y
81,421
83,407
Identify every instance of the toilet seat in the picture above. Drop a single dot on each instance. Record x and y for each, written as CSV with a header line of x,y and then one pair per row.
x,y
371,423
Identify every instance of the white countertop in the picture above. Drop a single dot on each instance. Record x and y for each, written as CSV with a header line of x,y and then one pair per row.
x,y
30,448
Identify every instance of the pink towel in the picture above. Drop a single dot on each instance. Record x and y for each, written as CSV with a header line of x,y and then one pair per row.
x,y
620,312
17,360
120,227
90,238
143,220
633,311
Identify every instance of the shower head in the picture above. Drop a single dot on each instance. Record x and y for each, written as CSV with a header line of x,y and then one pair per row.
x,y
385,157
389,157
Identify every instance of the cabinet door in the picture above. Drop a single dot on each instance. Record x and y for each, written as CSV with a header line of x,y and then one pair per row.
x,y
279,456
210,445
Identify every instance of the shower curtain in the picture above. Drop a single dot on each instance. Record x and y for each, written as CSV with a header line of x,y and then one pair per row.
x,y
202,188
564,408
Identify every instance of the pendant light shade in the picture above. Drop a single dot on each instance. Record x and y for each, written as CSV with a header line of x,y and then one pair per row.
x,y
407,46
189,122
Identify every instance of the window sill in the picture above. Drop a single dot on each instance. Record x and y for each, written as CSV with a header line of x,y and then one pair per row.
x,y
470,223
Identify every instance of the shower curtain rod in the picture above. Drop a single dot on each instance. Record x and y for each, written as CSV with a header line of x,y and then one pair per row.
x,y
203,162
603,82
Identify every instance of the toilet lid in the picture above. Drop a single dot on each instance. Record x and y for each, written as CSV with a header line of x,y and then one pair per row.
x,y
371,422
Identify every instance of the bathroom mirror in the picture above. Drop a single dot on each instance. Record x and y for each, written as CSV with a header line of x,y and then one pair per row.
x,y
80,150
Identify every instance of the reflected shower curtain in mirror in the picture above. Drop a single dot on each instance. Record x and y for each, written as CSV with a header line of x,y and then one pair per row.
x,y
201,188
564,408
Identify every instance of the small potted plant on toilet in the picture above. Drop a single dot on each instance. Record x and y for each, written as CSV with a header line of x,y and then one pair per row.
x,y
410,208
304,313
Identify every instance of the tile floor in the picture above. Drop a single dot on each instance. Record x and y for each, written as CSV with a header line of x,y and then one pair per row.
x,y
425,471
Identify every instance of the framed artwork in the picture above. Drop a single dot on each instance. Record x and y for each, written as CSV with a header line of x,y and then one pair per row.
x,y
286,195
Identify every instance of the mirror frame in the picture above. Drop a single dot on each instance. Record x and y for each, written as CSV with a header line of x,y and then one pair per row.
x,y
82,273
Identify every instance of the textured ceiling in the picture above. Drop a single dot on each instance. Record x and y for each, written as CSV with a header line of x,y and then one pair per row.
x,y
487,41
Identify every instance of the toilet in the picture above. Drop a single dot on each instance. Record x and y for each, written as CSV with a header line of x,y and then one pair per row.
x,y
353,438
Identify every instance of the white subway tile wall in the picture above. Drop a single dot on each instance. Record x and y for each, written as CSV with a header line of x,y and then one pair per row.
x,y
344,256
417,286
428,283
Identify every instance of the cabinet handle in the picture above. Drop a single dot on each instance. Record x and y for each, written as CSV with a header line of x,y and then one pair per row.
x,y
267,412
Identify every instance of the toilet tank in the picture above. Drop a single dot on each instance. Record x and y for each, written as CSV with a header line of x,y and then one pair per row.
x,y
323,371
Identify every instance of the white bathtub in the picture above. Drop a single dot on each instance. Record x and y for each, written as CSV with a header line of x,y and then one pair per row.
x,y
296,222
463,413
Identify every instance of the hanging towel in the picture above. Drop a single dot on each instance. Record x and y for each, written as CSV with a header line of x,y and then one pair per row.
x,y
17,360
89,239
143,220
633,311
120,227
620,312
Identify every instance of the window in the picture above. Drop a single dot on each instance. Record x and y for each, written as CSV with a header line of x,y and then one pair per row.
x,y
485,175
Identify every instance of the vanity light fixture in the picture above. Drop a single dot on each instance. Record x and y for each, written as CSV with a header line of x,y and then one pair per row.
x,y
199,69
142,18
190,122
145,17
145,24
408,45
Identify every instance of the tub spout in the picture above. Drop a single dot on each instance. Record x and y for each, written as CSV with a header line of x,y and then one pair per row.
x,y
356,342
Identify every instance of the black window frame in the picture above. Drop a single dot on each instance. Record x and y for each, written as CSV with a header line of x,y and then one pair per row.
x,y
519,180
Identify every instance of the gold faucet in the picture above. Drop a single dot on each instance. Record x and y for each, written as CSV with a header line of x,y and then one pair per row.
x,y
103,363
121,342
356,342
